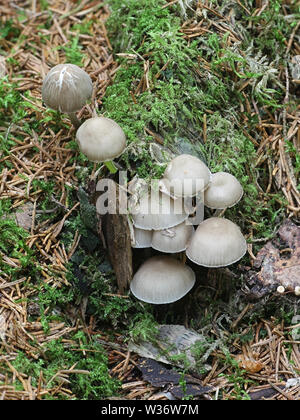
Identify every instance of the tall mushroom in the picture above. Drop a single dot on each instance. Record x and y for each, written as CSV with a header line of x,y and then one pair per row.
x,y
161,280
66,88
101,139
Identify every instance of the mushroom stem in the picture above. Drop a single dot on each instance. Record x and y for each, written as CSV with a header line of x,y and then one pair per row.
x,y
182,257
219,212
75,121
111,166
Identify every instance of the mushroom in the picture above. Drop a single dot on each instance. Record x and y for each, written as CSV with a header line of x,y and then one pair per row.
x,y
156,211
66,88
174,239
280,289
142,238
161,280
217,242
224,191
101,139
185,176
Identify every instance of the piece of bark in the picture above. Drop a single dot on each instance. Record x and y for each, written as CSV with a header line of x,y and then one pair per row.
x,y
264,393
118,244
159,376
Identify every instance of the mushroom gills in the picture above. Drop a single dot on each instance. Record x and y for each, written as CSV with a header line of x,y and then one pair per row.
x,y
162,280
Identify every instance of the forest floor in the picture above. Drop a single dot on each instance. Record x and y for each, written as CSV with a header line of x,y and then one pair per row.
x,y
216,79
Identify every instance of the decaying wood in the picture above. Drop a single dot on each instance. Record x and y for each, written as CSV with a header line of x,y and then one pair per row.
x,y
118,243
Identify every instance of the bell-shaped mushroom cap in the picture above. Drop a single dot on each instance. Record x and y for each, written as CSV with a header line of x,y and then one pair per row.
x,y
217,242
101,139
185,176
155,211
161,280
174,239
143,238
223,191
66,88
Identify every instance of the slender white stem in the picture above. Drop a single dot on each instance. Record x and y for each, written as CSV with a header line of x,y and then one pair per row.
x,y
219,212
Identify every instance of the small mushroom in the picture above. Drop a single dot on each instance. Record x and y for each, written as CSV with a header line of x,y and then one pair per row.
x,y
156,211
101,139
174,239
223,191
161,280
280,289
66,88
185,176
217,242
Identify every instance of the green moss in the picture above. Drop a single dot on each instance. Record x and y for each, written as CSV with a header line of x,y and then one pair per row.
x,y
177,98
92,277
12,107
272,28
83,354
13,245
73,52
9,31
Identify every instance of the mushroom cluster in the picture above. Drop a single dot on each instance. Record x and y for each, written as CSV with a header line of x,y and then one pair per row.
x,y
162,221
163,216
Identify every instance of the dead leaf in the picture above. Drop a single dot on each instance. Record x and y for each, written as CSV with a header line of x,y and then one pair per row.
x,y
279,261
24,216
249,364
172,341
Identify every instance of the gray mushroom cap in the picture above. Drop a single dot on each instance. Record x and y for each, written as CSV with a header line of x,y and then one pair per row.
x,y
142,238
66,88
161,280
217,242
186,176
174,239
101,139
155,211
223,191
